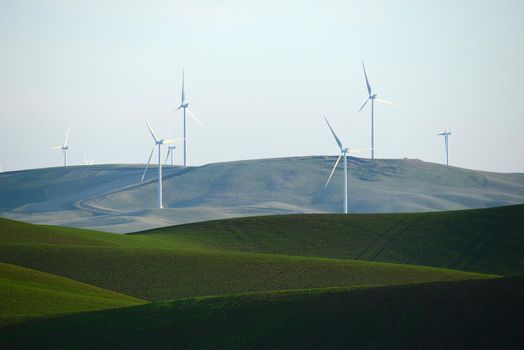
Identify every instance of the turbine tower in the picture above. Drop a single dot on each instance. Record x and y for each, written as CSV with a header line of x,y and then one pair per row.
x,y
185,107
374,98
446,133
170,151
343,152
64,147
158,143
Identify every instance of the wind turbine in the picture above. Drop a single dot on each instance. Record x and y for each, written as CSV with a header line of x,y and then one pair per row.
x,y
446,133
64,147
158,143
374,98
89,162
185,106
343,152
170,151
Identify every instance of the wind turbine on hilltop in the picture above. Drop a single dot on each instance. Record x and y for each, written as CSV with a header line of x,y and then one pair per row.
x,y
170,151
89,161
158,143
185,107
343,152
374,98
446,133
64,147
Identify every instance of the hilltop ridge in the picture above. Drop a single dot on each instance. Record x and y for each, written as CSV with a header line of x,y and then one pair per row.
x,y
112,198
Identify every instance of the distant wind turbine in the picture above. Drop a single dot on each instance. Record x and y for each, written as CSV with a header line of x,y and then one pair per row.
x,y
446,133
158,143
373,97
170,151
64,147
343,152
89,162
185,106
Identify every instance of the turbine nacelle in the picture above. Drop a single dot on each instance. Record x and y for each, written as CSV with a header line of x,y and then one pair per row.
x,y
183,105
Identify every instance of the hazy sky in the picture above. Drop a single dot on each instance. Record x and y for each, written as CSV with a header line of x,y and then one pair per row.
x,y
261,75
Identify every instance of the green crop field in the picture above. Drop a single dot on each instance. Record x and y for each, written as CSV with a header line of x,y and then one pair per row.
x,y
480,240
479,314
27,293
285,281
151,268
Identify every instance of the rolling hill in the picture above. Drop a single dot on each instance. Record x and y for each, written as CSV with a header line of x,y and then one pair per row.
x,y
111,198
26,293
476,314
149,268
480,240
366,281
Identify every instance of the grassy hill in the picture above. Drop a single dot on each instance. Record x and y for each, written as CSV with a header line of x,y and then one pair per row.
x,y
482,240
479,314
26,293
154,268
292,281
111,198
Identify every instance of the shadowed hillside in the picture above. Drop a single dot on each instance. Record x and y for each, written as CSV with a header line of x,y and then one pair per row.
x,y
478,314
111,198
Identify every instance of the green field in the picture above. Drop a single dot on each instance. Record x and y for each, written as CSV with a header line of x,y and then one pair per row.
x,y
476,314
286,281
27,293
153,268
480,240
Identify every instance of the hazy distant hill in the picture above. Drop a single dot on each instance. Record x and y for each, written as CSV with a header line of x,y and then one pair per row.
x,y
111,197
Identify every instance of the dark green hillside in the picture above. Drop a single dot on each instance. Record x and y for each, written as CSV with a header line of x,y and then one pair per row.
x,y
154,269
26,293
479,314
480,240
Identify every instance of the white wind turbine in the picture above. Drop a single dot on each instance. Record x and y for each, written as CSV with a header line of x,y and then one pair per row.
x,y
158,143
446,133
89,161
343,152
185,106
170,151
373,97
64,147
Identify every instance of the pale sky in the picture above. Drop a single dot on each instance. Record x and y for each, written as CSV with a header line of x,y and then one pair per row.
x,y
261,75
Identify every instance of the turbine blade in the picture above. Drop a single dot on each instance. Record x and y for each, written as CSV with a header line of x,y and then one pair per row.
x,y
86,161
147,165
367,81
183,94
441,134
386,102
194,116
56,147
167,155
334,135
364,105
150,128
356,150
67,136
332,171
170,141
